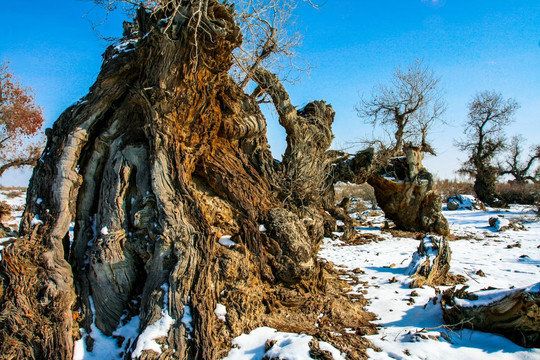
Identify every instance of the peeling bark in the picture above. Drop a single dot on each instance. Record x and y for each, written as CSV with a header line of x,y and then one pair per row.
x,y
163,157
404,191
515,315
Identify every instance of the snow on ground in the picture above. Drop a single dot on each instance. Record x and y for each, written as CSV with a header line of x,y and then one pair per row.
x,y
411,326
287,346
16,198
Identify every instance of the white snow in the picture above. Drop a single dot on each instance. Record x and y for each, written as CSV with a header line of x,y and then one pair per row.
x,y
288,346
226,241
156,330
187,319
104,231
35,220
405,327
501,223
262,228
123,46
221,312
486,297
105,347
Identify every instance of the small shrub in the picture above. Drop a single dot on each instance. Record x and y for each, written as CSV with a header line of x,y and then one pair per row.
x,y
5,211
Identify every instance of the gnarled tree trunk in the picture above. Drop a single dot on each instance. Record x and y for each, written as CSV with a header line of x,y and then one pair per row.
x,y
152,169
404,191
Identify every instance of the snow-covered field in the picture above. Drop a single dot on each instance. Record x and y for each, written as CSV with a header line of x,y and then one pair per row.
x,y
410,321
411,325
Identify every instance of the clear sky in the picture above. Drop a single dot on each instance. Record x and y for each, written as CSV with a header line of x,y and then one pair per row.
x,y
352,45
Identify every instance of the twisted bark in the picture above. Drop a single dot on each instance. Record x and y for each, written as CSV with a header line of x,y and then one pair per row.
x,y
162,159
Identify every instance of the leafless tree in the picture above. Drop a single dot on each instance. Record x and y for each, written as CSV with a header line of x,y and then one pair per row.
x,y
407,107
514,166
268,39
267,26
484,138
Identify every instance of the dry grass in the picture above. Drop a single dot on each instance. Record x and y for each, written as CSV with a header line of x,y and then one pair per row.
x,y
14,194
527,194
13,188
447,188
5,211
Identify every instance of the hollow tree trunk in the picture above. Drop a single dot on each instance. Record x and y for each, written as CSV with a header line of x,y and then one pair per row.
x,y
164,157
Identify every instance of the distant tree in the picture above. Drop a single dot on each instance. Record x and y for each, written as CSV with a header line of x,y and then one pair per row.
x,y
520,170
484,138
20,120
408,107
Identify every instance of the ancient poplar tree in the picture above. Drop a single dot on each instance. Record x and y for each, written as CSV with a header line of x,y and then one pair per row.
x,y
406,109
522,171
164,159
488,115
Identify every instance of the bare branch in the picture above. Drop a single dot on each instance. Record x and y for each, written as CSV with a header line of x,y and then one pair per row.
x,y
409,105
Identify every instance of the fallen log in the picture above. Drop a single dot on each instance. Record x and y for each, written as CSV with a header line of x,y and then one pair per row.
x,y
514,314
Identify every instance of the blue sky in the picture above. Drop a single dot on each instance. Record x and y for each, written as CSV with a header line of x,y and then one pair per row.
x,y
351,44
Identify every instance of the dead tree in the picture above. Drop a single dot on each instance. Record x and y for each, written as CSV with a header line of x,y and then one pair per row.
x,y
408,108
164,157
514,166
430,263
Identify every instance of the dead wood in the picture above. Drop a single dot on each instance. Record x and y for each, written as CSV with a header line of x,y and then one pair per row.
x,y
514,314
163,157
404,191
431,262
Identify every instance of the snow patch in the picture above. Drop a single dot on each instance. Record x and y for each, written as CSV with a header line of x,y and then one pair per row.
x,y
35,221
104,231
187,319
221,312
226,241
288,346
501,224
262,228
487,297
105,347
158,329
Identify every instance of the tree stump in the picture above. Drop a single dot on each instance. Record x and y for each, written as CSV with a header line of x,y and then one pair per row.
x,y
430,263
